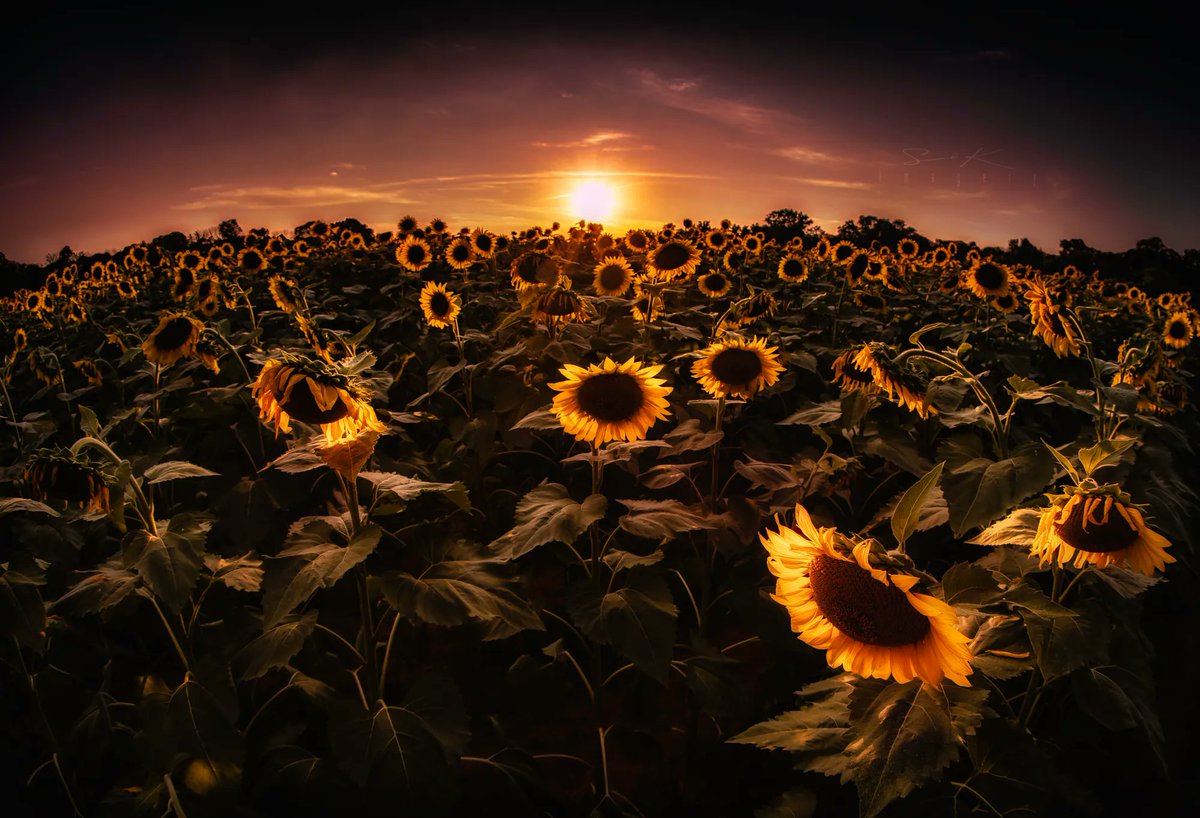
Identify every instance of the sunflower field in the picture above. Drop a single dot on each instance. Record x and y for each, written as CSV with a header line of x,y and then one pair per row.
x,y
687,522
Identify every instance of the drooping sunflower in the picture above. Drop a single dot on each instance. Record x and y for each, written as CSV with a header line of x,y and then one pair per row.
x,y
174,338
900,385
88,369
868,619
56,474
672,259
1178,330
535,269
613,276
459,254
988,279
293,387
793,268
1048,321
848,376
857,267
441,307
646,305
714,284
737,368
44,365
610,401
285,293
757,305
1098,525
559,305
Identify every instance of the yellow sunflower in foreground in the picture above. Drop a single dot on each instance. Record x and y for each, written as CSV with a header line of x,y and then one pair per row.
x,y
868,619
1101,526
175,337
610,401
313,392
613,276
737,369
441,307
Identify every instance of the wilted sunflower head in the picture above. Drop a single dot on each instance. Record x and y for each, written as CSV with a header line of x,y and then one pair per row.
x,y
793,267
613,276
174,338
737,369
559,305
988,279
674,259
88,369
285,293
849,598
459,254
56,474
1178,330
900,384
534,270
714,283
440,306
1098,525
610,401
295,387
758,305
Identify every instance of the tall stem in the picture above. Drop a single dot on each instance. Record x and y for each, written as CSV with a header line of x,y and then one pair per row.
x,y
462,359
716,454
999,428
366,635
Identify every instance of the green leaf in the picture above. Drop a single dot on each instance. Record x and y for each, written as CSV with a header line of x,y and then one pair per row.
x,y
1059,392
102,590
323,564
618,559
201,719
1063,460
88,422
984,489
1104,453
22,613
908,510
1121,700
169,564
275,647
8,505
966,583
405,489
297,459
175,470
820,727
1018,528
548,514
1065,643
1001,647
663,519
638,619
242,573
820,414
538,419
455,592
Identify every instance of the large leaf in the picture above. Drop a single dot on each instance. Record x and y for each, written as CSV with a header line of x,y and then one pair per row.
x,y
983,489
275,647
319,564
454,592
175,470
102,590
663,519
1018,528
908,511
242,573
22,613
638,619
1121,700
10,504
820,727
406,489
168,564
548,514
1065,643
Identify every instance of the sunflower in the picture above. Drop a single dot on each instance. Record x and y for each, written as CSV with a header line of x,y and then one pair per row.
x,y
672,259
907,248
899,384
251,260
1048,322
44,365
276,246
757,305
407,224
858,267
940,256
174,338
459,254
714,284
646,306
208,352
209,307
603,246
483,243
1178,330
823,249
52,286
559,305
441,307
1006,303
613,276
313,392
286,294
1098,525
33,302
716,240
868,619
753,243
20,340
438,225
535,270
413,254
191,260
848,376
737,369
793,268
610,401
89,370
842,252
56,474
988,279
637,241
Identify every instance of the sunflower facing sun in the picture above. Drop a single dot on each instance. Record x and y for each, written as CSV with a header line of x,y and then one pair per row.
x,y
868,619
737,369
440,306
610,401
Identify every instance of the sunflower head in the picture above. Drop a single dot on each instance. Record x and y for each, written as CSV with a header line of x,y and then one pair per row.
x,y
716,240
294,387
285,293
736,368
714,283
1006,303
57,474
535,269
907,249
460,254
1178,330
1098,525
671,260
613,276
858,266
440,306
558,305
610,401
758,305
848,376
847,597
793,267
88,369
900,384
175,337
988,279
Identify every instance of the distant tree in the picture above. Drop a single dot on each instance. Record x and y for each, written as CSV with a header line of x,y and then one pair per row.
x,y
171,242
230,230
868,229
1024,252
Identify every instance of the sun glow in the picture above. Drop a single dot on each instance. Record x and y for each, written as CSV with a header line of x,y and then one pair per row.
x,y
593,200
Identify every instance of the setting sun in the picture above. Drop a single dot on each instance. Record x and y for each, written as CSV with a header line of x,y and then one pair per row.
x,y
593,200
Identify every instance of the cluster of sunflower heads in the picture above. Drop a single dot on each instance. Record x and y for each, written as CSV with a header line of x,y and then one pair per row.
x,y
859,603
57,475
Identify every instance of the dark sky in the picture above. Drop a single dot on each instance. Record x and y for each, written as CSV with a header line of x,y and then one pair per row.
x,y
124,123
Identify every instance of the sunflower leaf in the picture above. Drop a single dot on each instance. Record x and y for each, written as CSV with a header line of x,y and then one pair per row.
x,y
1104,453
457,591
88,422
169,564
908,511
8,505
547,514
1121,700
175,470
1065,643
1018,528
275,647
638,619
663,519
405,489
323,566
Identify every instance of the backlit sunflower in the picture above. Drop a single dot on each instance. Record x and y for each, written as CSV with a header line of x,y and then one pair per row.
x,y
793,268
1006,303
535,270
848,376
900,385
857,267
285,293
672,260
413,254
1178,330
637,241
988,279
57,475
610,401
612,276
293,387
407,224
907,248
868,619
1098,525
438,225
714,284
736,368
716,240
89,370
174,338
441,307
459,254
251,260
842,252
559,305
483,243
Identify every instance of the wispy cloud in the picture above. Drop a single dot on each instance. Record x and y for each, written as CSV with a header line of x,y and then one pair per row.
x,y
605,141
798,153
839,184
690,95
264,197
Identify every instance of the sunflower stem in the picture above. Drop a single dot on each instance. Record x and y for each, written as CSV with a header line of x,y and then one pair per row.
x,y
237,357
837,313
716,453
999,428
157,419
187,667
462,359
1101,422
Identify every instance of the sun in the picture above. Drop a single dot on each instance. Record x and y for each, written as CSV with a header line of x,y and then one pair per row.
x,y
594,201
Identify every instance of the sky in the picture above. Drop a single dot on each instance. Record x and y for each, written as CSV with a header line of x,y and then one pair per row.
x,y
123,124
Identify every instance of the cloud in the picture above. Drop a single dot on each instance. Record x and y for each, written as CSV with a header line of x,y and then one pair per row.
x,y
802,154
606,141
839,184
690,95
265,197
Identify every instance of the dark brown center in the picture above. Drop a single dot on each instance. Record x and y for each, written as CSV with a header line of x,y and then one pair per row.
x,y
1115,535
483,243
736,366
460,253
793,268
989,276
858,267
252,260
671,256
174,334
714,282
610,396
301,405
612,276
1178,329
862,607
841,253
439,304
